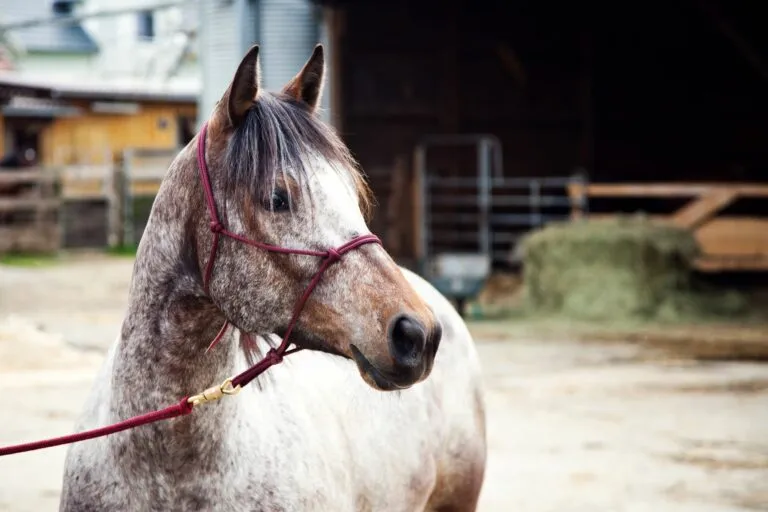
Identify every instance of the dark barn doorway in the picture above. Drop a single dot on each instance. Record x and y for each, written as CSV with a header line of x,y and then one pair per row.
x,y
655,91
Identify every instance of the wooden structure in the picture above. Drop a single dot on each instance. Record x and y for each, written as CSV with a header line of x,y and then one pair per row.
x,y
79,206
85,133
560,88
138,178
727,242
69,126
96,138
115,198
88,193
29,209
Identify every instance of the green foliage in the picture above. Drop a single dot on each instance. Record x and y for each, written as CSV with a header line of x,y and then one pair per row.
x,y
14,259
123,250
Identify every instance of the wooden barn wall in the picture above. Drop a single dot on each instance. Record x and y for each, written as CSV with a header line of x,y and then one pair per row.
x,y
97,139
676,98
449,70
412,69
643,92
94,138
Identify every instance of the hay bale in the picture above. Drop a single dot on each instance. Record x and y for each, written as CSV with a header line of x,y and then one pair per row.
x,y
624,268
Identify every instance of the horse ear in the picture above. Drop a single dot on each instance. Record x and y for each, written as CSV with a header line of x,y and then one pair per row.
x,y
241,94
307,85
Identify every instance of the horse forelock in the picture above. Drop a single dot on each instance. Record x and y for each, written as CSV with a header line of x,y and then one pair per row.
x,y
279,143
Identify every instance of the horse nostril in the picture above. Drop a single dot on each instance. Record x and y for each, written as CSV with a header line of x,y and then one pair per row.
x,y
407,339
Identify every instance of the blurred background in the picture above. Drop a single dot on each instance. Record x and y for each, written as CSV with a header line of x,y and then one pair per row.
x,y
587,181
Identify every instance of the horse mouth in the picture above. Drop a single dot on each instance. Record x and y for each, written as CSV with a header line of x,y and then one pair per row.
x,y
307,340
372,375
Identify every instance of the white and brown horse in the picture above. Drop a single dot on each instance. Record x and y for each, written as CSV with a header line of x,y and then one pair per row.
x,y
310,434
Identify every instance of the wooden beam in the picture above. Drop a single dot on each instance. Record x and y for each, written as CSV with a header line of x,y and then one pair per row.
x,y
670,189
15,177
418,218
335,21
394,214
720,264
33,203
742,237
704,208
604,217
576,194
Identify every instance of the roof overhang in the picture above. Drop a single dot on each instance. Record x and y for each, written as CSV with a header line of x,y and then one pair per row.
x,y
12,85
20,106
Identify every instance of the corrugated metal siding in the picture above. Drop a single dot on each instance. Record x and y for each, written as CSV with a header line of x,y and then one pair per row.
x,y
289,32
221,49
286,30
324,37
250,25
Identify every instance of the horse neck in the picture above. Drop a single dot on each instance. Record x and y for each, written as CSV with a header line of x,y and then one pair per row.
x,y
170,321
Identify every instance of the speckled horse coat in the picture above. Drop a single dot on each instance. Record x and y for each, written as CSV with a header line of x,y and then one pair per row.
x,y
384,412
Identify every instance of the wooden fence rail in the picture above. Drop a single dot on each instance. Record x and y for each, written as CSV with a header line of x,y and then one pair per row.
x,y
29,209
727,242
80,205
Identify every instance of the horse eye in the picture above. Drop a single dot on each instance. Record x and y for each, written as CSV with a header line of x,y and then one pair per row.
x,y
279,201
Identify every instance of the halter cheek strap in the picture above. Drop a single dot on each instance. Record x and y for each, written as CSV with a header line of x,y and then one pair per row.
x,y
232,385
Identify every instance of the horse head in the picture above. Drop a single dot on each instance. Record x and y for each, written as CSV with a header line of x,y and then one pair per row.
x,y
281,176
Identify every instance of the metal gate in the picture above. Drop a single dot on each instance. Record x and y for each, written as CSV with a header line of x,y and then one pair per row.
x,y
473,221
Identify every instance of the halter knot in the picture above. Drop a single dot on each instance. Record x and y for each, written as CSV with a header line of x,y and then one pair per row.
x,y
216,226
333,255
274,357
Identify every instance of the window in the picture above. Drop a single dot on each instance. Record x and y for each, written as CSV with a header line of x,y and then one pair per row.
x,y
62,7
146,25
185,130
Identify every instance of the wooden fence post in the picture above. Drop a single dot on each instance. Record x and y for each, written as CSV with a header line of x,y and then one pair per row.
x,y
577,193
394,214
112,189
126,197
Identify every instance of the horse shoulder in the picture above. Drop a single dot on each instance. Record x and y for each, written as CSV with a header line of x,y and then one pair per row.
x,y
456,387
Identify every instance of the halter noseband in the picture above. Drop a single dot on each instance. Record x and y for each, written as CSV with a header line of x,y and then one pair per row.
x,y
329,257
232,385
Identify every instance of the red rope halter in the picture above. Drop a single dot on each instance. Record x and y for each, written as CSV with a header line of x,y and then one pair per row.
x,y
233,385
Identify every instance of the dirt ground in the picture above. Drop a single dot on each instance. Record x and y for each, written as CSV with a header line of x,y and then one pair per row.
x,y
572,426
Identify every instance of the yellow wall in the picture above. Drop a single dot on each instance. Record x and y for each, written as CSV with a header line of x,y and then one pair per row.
x,y
94,138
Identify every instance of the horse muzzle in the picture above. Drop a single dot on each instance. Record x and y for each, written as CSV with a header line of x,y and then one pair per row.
x,y
412,349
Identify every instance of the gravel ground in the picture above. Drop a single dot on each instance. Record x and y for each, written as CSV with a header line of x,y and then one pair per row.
x,y
572,426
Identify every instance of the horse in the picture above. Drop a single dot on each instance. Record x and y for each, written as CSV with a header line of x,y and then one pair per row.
x,y
382,410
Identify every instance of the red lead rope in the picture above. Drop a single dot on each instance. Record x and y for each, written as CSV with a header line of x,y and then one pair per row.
x,y
233,385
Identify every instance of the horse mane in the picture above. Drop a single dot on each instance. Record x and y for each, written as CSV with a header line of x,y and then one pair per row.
x,y
278,138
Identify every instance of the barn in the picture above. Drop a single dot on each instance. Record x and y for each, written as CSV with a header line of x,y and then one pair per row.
x,y
486,116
